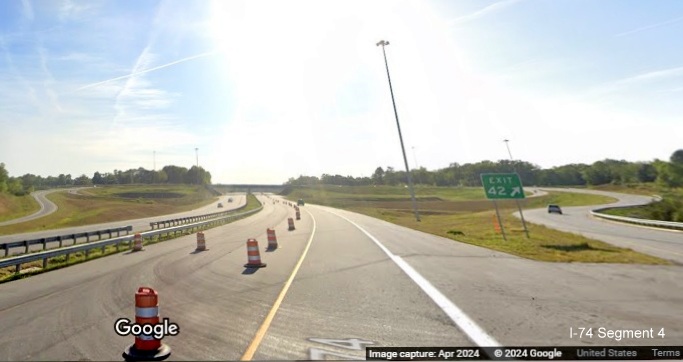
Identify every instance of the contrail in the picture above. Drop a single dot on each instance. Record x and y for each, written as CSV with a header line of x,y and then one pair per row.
x,y
146,70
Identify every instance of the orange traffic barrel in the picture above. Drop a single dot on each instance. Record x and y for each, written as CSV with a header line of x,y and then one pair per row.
x,y
272,239
137,242
253,255
201,242
291,224
146,347
298,215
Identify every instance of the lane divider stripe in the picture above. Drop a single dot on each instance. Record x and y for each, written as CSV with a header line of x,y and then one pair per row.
x,y
261,332
467,325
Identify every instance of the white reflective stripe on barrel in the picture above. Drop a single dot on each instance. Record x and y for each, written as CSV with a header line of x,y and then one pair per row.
x,y
254,258
149,312
145,337
252,248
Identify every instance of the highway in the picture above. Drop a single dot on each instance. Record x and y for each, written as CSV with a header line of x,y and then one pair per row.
x,y
47,207
666,244
351,276
138,224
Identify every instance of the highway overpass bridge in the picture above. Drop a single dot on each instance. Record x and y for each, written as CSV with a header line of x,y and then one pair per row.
x,y
246,188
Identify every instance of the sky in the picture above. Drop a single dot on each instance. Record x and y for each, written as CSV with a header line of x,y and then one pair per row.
x,y
260,91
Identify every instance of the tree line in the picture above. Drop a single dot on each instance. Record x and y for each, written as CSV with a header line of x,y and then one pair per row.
x,y
608,171
171,174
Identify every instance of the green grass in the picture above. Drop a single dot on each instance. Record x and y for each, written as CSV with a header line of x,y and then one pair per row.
x,y
637,212
567,199
544,244
8,274
99,205
471,221
386,193
647,189
435,205
13,207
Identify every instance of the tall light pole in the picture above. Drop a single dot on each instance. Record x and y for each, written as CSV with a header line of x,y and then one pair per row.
x,y
519,208
398,125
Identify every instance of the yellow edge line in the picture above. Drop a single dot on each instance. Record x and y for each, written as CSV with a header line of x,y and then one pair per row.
x,y
249,353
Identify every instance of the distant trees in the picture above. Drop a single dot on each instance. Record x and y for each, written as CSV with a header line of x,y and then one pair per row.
x,y
179,175
670,174
607,171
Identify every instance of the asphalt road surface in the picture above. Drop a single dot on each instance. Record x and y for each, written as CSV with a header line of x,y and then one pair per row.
x,y
666,244
47,207
338,276
239,199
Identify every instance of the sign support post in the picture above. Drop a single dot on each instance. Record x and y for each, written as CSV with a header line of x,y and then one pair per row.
x,y
521,214
500,223
504,186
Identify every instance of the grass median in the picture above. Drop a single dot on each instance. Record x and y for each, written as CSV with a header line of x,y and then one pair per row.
x,y
114,203
58,262
472,222
14,207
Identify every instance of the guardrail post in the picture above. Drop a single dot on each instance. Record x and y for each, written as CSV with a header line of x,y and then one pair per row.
x,y
73,237
60,241
26,244
44,243
87,238
45,263
6,250
17,269
109,233
99,235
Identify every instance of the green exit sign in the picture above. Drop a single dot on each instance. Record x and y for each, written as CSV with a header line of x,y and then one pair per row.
x,y
502,186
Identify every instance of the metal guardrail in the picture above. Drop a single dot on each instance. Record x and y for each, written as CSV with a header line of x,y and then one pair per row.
x,y
61,238
45,255
634,220
190,219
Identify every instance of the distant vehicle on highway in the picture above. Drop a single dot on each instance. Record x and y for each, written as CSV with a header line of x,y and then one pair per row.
x,y
230,199
220,205
300,202
554,209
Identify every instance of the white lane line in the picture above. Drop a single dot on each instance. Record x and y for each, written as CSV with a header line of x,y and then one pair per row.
x,y
467,325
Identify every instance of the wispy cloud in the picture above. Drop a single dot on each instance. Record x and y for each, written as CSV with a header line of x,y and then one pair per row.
x,y
27,9
648,27
498,6
640,79
139,72
49,81
69,9
16,74
652,76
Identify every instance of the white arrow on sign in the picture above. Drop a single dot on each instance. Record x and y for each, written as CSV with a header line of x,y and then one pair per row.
x,y
515,190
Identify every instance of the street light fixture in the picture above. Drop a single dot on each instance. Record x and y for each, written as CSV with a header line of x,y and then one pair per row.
x,y
383,43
